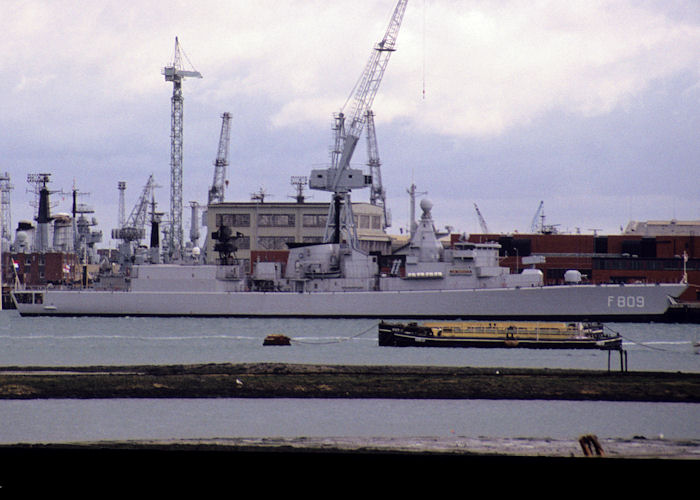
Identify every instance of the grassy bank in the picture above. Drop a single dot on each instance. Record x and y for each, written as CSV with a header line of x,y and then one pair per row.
x,y
270,380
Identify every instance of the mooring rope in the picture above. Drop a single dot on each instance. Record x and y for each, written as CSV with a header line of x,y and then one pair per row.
x,y
339,340
635,342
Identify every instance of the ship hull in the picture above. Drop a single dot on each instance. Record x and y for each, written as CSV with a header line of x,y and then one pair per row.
x,y
566,302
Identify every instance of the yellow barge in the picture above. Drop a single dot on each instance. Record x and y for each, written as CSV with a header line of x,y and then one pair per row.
x,y
524,334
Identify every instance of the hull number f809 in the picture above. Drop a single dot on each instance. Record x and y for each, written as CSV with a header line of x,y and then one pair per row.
x,y
624,301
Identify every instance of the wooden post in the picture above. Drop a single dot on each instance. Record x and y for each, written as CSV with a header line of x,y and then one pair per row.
x,y
590,445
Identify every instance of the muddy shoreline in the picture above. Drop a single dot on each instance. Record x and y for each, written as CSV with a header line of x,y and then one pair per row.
x,y
638,447
304,464
279,380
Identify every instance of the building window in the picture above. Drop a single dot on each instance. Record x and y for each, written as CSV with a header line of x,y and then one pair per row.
x,y
233,220
601,244
314,220
274,242
376,222
362,221
276,220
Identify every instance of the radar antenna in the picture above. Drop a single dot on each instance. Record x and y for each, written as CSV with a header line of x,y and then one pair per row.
x,y
299,182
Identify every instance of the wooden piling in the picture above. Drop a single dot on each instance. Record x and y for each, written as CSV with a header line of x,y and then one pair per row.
x,y
590,446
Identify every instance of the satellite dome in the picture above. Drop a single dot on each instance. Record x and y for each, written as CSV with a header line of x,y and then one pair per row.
x,y
426,205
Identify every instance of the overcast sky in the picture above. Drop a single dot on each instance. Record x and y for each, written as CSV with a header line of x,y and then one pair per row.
x,y
592,107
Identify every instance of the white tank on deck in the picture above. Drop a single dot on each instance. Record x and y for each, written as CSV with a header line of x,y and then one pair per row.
x,y
533,272
572,276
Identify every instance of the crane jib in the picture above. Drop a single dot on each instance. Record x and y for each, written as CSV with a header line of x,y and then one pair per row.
x,y
340,178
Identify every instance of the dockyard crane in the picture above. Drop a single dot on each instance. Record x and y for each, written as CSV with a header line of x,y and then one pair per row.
x,y
5,220
541,227
377,194
176,73
134,228
5,212
219,184
340,179
482,222
536,218
216,193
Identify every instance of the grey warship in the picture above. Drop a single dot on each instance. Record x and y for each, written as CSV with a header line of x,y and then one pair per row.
x,y
337,279
426,280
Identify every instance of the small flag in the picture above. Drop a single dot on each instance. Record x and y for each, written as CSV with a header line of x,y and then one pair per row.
x,y
16,264
66,268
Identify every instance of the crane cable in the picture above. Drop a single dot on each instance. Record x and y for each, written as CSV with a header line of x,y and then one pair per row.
x,y
423,50
375,325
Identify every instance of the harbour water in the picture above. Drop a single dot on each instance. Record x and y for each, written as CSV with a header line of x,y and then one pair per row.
x,y
131,341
